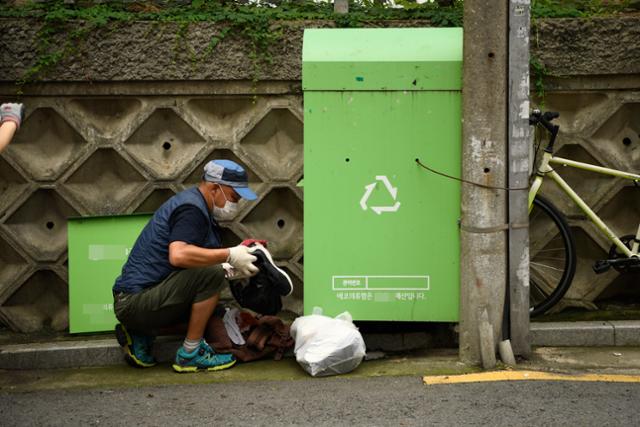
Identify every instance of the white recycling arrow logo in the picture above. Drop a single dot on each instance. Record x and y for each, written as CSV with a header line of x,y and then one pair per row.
x,y
368,189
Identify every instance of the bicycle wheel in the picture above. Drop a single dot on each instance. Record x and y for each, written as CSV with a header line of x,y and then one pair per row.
x,y
552,256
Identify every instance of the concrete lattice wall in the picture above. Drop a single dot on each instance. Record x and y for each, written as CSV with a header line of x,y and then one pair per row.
x,y
123,126
78,155
594,82
601,127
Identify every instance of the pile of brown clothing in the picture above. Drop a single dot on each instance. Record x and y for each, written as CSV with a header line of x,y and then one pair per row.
x,y
263,335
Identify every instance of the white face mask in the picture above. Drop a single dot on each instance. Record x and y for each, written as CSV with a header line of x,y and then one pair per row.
x,y
228,211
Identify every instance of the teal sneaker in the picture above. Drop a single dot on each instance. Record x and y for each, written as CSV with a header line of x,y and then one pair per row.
x,y
137,348
202,358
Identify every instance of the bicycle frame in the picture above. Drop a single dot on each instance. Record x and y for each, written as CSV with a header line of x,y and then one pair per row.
x,y
545,169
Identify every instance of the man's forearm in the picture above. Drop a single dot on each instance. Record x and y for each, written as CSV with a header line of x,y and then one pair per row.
x,y
184,255
7,130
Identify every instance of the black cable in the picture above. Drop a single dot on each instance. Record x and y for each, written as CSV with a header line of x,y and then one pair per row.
x,y
477,184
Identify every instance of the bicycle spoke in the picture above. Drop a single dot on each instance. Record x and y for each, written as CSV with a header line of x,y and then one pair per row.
x,y
541,243
537,294
545,279
537,264
552,249
552,255
559,260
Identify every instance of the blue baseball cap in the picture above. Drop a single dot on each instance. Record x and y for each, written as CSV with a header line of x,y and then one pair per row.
x,y
227,172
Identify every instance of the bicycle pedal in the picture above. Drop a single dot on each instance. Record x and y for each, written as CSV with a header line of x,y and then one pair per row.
x,y
601,266
626,265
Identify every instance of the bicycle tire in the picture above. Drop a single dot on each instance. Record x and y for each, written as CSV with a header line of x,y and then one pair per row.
x,y
551,269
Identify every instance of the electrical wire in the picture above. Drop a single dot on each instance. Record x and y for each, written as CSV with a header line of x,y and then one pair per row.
x,y
477,184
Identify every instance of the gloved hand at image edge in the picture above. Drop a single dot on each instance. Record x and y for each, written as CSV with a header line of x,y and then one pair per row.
x,y
12,112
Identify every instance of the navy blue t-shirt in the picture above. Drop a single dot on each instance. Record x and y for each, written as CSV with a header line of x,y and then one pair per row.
x,y
188,225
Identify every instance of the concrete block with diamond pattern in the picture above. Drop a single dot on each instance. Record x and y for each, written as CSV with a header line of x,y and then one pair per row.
x,y
119,130
601,128
115,155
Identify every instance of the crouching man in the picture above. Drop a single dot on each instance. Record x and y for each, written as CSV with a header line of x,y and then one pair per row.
x,y
174,274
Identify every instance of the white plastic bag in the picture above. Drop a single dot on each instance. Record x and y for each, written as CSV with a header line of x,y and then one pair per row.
x,y
327,346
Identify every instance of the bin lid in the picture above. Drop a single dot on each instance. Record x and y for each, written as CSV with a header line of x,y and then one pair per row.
x,y
382,59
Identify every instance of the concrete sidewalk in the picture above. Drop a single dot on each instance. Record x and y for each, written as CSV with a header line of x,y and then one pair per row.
x,y
436,362
103,350
96,361
414,364
80,351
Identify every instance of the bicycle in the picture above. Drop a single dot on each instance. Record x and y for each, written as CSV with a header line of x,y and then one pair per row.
x,y
553,262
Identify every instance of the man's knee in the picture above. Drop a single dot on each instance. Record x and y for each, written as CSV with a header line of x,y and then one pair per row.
x,y
210,280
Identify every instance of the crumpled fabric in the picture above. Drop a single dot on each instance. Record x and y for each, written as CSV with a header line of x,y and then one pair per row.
x,y
263,335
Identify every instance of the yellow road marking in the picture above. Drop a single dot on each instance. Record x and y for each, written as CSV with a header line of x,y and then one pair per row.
x,y
526,376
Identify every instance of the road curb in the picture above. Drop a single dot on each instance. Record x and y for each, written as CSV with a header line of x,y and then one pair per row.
x,y
589,334
76,354
107,352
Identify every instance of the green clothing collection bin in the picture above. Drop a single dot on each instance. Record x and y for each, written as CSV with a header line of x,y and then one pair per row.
x,y
381,233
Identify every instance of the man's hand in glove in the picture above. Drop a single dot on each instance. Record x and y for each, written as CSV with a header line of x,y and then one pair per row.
x,y
241,260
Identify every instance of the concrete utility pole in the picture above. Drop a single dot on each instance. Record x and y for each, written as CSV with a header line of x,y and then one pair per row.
x,y
519,144
484,154
341,6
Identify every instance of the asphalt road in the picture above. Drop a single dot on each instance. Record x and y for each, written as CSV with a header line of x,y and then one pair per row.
x,y
385,401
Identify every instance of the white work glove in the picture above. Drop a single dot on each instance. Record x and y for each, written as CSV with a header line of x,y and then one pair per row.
x,y
241,260
231,273
12,112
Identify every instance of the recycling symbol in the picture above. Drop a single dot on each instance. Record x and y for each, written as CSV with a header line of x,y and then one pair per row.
x,y
368,189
